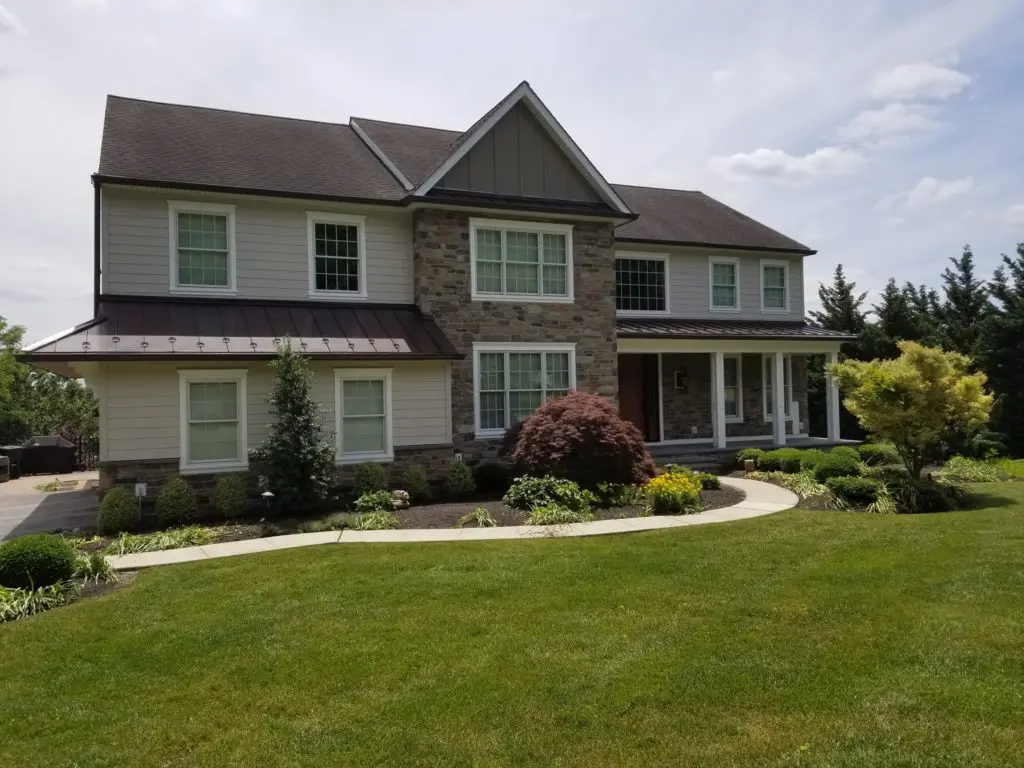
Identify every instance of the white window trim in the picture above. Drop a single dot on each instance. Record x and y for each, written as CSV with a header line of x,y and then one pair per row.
x,y
174,207
362,374
739,389
764,388
501,346
522,226
315,217
668,299
775,263
186,377
712,260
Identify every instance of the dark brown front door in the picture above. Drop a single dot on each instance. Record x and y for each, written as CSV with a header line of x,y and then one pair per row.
x,y
639,393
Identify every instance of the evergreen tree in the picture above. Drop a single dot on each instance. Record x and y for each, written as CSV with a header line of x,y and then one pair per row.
x,y
902,314
840,305
295,459
965,305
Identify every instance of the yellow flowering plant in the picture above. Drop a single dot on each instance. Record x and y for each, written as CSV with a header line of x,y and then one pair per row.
x,y
673,493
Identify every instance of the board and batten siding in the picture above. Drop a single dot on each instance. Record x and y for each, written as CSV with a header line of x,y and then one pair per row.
x,y
689,276
271,249
139,404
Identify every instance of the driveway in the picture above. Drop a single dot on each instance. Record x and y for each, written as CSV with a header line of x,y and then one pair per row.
x,y
23,509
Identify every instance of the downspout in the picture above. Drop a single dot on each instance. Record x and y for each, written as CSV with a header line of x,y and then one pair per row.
x,y
96,242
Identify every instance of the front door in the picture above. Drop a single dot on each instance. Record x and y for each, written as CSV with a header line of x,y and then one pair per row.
x,y
639,394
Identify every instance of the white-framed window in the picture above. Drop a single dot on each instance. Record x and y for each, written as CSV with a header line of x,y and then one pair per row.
x,y
202,247
774,285
213,420
520,261
512,380
362,414
733,380
724,278
337,255
641,283
768,382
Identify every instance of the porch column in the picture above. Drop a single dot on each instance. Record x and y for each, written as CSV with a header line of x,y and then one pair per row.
x,y
778,399
832,399
718,398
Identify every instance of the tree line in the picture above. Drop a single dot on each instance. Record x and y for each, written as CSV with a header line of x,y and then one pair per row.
x,y
983,319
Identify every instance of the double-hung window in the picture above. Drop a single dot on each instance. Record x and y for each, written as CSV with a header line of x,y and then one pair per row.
x,y
733,381
774,286
337,255
363,414
202,240
725,284
768,382
517,261
213,420
512,380
641,283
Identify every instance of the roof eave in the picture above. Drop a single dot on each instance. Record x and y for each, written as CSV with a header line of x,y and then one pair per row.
x,y
721,246
42,358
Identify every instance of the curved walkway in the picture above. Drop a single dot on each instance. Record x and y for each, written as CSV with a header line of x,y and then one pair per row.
x,y
761,499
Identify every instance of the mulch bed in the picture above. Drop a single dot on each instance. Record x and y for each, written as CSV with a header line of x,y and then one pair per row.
x,y
447,515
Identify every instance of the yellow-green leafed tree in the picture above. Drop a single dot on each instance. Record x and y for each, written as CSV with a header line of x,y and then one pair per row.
x,y
918,401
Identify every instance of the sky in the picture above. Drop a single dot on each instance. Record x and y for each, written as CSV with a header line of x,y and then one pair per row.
x,y
884,134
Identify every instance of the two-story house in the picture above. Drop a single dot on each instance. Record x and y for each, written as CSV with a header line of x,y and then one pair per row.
x,y
443,283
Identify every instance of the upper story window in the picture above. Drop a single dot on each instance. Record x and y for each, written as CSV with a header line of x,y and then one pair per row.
x,y
337,255
725,284
202,239
520,261
774,286
641,283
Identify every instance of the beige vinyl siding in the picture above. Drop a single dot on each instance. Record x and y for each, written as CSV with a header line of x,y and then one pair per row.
x,y
272,253
690,281
139,405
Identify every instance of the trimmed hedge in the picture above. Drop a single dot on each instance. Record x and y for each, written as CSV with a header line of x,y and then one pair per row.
x,y
176,503
119,511
229,496
845,450
749,453
856,490
834,464
809,459
38,560
877,454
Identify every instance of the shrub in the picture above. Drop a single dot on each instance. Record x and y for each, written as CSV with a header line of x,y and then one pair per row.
x,y
38,560
492,477
527,492
417,485
119,511
616,495
748,453
856,490
458,480
673,493
480,517
834,464
877,454
845,450
582,438
176,538
370,477
789,459
94,567
555,514
18,603
769,461
378,521
964,470
374,501
915,496
709,481
176,502
809,459
229,496
803,485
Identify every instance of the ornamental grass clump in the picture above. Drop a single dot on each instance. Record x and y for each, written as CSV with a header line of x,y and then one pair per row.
x,y
673,493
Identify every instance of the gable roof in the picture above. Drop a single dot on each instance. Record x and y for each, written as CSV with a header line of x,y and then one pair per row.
x,y
413,149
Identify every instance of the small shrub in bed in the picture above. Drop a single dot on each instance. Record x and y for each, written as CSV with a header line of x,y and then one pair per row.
x,y
789,459
770,461
176,502
417,484
582,438
809,459
38,560
845,450
616,495
555,514
374,501
458,480
527,492
229,496
370,477
834,464
877,454
856,490
707,480
119,511
673,493
753,454
492,477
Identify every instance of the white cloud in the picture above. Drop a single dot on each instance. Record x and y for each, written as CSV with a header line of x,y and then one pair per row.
x,y
929,192
1015,214
909,82
99,4
9,23
778,164
891,122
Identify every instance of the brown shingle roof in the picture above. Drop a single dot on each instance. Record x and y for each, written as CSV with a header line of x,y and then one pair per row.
x,y
413,149
670,328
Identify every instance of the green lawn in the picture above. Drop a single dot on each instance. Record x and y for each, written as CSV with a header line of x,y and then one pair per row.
x,y
804,638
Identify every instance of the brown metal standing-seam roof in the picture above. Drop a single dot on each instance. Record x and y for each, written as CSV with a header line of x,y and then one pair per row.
x,y
671,328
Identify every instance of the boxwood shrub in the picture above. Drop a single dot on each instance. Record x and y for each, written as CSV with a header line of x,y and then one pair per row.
x,y
877,454
834,464
809,459
176,502
754,454
856,490
119,511
38,560
845,450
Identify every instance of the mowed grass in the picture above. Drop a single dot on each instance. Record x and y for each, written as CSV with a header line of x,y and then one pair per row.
x,y
801,639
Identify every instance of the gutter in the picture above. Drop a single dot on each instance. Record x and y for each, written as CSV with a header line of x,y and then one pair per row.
x,y
690,244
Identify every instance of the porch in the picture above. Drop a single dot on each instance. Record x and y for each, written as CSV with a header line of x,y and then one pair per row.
x,y
704,456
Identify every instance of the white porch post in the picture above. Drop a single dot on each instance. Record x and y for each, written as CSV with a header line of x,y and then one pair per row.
x,y
778,399
832,399
718,398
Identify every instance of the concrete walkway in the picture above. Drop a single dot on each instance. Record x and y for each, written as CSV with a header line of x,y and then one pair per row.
x,y
761,499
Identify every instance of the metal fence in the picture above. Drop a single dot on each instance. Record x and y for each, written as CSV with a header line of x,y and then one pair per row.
x,y
87,452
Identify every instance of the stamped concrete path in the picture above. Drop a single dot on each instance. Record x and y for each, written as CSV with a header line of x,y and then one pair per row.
x,y
761,499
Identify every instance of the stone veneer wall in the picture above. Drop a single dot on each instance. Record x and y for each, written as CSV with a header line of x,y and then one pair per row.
x,y
684,410
442,290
